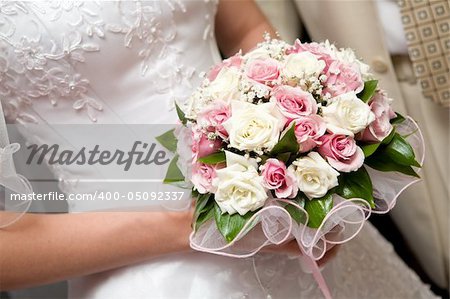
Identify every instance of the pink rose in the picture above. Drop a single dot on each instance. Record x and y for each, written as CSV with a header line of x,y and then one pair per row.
x,y
213,117
263,71
308,130
202,146
341,152
294,102
202,177
277,177
317,49
343,78
381,127
234,61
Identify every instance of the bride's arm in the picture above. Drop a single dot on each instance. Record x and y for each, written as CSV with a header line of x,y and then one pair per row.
x,y
240,24
41,249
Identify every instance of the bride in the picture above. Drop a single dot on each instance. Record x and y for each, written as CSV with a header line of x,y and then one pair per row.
x,y
125,63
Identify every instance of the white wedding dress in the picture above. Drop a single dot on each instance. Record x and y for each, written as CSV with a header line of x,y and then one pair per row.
x,y
75,62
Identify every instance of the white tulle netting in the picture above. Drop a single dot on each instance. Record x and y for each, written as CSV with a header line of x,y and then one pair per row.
x,y
12,183
274,225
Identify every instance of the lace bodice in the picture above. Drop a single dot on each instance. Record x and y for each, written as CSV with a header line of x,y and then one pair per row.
x,y
101,61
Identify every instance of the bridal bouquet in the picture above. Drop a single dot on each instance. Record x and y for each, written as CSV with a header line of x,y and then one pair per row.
x,y
289,141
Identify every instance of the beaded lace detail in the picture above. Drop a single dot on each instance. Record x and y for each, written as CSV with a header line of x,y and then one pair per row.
x,y
36,63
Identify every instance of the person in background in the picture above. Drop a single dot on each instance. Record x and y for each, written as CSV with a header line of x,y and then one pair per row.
x,y
405,43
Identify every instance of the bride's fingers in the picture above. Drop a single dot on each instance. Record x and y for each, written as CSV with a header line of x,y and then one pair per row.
x,y
291,248
329,255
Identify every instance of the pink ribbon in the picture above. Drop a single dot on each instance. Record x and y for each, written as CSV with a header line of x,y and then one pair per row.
x,y
317,274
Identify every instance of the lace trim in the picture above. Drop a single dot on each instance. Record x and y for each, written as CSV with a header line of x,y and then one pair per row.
x,y
36,67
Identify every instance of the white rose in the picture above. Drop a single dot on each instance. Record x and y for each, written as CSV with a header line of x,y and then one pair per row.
x,y
226,85
347,114
314,175
366,75
302,65
239,187
254,127
258,53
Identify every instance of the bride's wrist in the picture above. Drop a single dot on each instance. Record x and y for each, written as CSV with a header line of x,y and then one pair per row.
x,y
166,232
182,229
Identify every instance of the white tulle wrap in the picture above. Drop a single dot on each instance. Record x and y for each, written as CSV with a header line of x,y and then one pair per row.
x,y
273,224
12,182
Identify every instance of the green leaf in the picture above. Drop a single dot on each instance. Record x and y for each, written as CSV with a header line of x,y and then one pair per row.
x,y
168,140
369,149
230,225
173,172
389,137
400,151
318,208
195,193
287,144
215,158
204,209
295,213
264,158
384,163
203,217
369,89
398,119
181,115
356,184
284,157
200,204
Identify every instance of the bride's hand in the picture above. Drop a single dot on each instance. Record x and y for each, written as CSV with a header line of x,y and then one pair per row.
x,y
291,248
180,228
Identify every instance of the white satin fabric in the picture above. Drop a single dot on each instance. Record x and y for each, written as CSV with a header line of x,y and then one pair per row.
x,y
365,268
124,63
